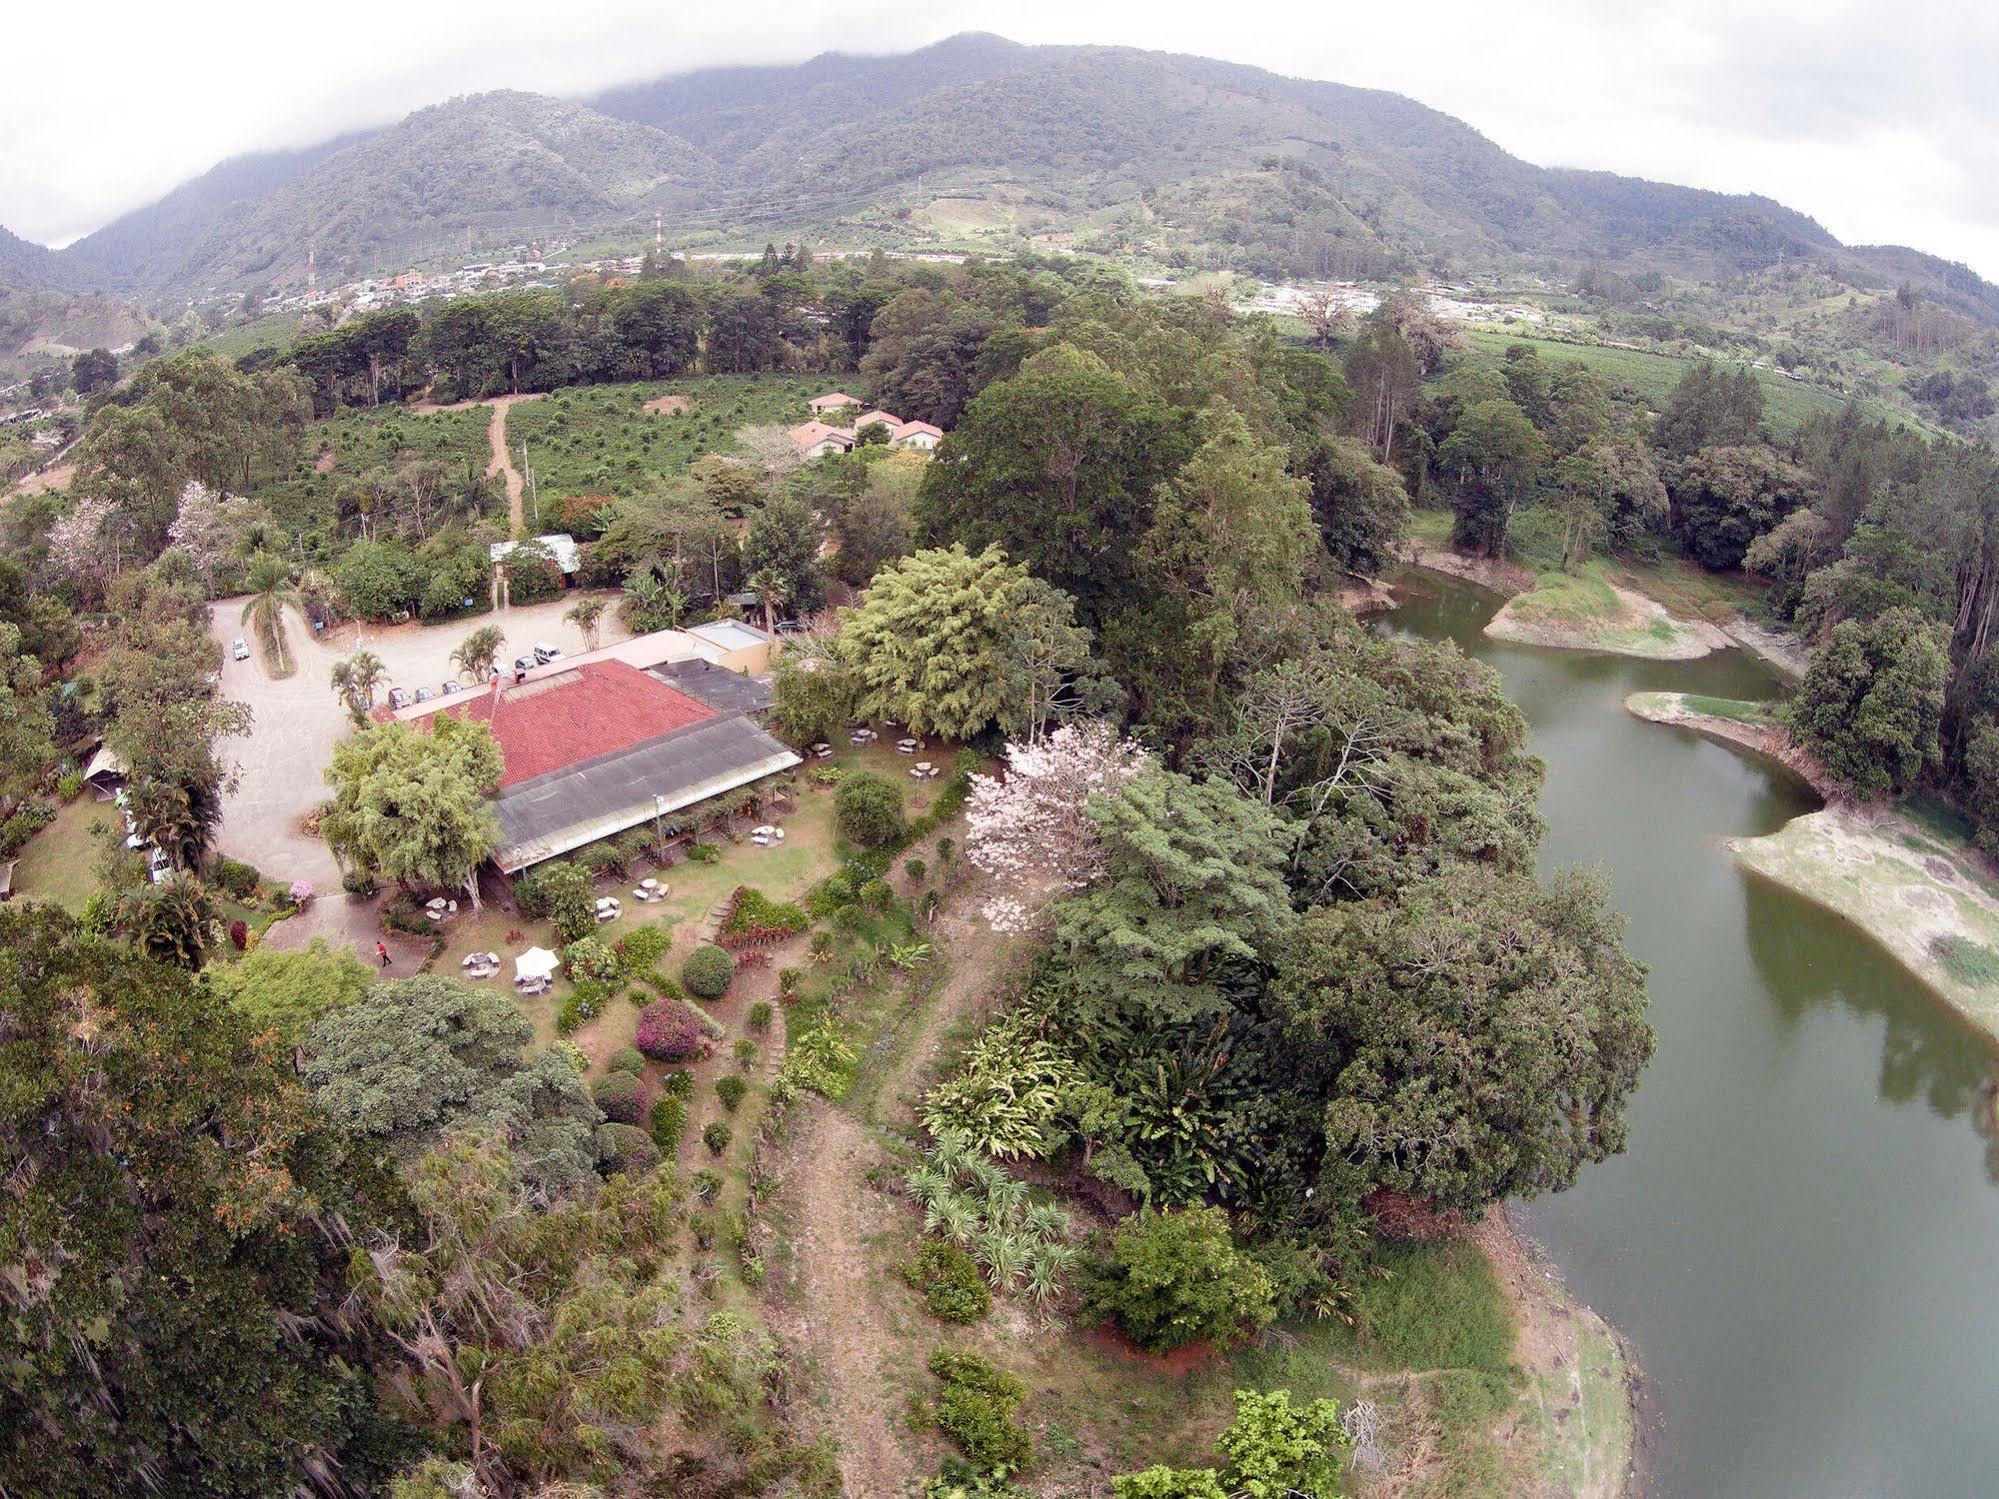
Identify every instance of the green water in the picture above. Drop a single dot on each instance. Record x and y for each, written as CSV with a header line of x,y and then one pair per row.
x,y
1801,1239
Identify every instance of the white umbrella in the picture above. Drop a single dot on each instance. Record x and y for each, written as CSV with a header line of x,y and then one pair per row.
x,y
535,963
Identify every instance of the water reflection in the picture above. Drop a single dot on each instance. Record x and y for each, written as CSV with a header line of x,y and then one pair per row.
x,y
1801,1228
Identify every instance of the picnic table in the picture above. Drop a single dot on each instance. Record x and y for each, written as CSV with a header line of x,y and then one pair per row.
x,y
649,890
480,965
766,835
608,908
821,751
905,746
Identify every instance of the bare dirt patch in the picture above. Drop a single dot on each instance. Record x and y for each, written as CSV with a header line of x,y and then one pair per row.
x,y
669,405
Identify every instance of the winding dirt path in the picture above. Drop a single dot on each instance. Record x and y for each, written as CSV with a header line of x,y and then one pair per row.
x,y
502,462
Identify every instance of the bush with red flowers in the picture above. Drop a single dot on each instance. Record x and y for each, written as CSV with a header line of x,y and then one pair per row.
x,y
670,1032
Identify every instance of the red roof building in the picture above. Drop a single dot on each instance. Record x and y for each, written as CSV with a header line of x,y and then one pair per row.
x,y
598,708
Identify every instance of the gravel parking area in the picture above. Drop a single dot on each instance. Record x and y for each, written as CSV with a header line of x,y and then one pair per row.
x,y
298,719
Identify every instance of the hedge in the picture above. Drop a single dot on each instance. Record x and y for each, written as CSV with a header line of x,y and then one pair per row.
x,y
621,1096
707,972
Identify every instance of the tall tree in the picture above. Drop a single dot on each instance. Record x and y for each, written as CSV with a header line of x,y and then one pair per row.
x,y
175,1230
410,805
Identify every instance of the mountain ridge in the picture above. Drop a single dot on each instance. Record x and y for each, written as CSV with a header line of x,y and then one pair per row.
x,y
1374,182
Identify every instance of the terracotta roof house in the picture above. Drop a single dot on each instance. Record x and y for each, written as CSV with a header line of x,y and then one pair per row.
x,y
816,439
915,435
868,418
603,745
833,400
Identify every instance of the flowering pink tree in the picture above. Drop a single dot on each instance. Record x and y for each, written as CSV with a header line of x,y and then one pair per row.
x,y
77,543
1027,829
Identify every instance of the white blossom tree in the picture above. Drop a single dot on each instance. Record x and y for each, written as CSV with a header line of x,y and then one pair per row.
x,y
209,527
77,541
1027,830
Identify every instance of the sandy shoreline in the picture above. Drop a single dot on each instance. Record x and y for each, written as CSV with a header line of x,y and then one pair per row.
x,y
1583,1385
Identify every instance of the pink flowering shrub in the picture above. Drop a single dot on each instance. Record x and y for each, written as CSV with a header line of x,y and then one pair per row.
x,y
670,1032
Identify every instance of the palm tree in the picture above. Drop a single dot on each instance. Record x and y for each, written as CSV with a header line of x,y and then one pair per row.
x,y
355,680
271,591
478,651
772,588
585,614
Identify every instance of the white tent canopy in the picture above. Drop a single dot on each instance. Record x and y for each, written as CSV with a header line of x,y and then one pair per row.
x,y
535,963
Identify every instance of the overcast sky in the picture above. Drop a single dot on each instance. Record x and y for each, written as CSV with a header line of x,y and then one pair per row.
x,y
1877,119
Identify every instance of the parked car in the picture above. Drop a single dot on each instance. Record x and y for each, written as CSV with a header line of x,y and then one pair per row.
x,y
240,649
525,663
545,653
424,694
448,688
398,697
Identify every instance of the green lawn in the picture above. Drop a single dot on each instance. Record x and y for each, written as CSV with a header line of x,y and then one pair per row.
x,y
600,439
1652,376
1734,709
59,864
1570,598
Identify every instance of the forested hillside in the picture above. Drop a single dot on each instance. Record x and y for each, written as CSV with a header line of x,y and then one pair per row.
x,y
1280,176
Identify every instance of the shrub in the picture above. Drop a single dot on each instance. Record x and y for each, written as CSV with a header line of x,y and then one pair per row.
x,y
707,972
788,979
677,1084
950,1282
877,896
621,1096
717,1137
359,882
670,1032
591,961
1173,1277
760,1012
703,853
239,879
746,1054
945,847
976,1409
584,1003
643,947
868,809
730,1088
707,1186
69,786
29,819
560,891
239,935
750,910
668,1120
627,1059
916,869
571,1053
620,1147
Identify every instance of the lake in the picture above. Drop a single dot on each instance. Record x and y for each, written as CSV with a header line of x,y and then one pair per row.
x,y
1800,1241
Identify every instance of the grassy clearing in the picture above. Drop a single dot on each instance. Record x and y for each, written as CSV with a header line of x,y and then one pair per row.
x,y
1584,597
599,439
1734,709
1690,591
59,864
1432,1307
1787,404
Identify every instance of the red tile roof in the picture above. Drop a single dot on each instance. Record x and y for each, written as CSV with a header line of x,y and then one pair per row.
x,y
594,709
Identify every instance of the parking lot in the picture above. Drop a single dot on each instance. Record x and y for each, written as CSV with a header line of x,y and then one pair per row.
x,y
299,720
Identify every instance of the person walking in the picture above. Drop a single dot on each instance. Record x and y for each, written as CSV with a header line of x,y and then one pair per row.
x,y
382,952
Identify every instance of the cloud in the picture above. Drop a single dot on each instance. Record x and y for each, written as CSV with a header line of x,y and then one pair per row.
x,y
1873,117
